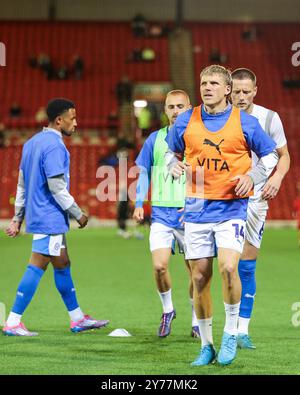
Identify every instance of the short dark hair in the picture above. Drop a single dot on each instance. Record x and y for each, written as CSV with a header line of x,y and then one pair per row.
x,y
57,107
244,74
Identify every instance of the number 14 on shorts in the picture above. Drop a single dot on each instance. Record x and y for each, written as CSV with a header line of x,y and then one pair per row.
x,y
239,231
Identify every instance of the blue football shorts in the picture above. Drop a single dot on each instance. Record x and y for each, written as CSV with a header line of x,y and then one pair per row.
x,y
48,244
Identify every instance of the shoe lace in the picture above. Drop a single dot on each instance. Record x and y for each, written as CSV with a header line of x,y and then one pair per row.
x,y
205,350
230,343
166,318
248,339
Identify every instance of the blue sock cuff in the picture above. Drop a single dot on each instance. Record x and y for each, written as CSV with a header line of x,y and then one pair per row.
x,y
247,264
66,270
36,269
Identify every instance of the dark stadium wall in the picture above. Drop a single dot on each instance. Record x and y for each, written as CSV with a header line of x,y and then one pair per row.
x,y
122,10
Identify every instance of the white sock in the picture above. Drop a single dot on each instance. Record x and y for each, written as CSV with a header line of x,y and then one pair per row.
x,y
13,319
232,316
194,318
166,300
243,325
76,315
205,327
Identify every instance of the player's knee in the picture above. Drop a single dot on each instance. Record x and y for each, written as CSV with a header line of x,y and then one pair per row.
x,y
160,268
63,264
67,264
200,279
228,269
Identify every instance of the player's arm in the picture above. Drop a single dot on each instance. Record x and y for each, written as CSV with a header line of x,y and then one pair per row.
x,y
141,193
58,188
263,146
272,186
14,227
54,167
144,161
175,166
176,149
263,168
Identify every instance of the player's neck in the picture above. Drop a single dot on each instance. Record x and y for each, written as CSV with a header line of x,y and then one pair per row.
x,y
54,129
216,108
250,109
52,126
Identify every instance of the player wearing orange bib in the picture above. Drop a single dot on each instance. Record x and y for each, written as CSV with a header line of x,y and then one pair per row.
x,y
217,140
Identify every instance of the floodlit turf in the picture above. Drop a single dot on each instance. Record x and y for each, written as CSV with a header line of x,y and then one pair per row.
x,y
114,281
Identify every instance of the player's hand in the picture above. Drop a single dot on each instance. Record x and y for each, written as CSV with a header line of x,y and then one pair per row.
x,y
178,169
138,214
13,229
83,221
244,184
272,187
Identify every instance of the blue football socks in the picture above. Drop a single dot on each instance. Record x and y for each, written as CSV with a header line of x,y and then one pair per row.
x,y
27,288
65,286
247,276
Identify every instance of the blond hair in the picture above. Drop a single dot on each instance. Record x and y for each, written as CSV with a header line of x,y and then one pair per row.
x,y
217,69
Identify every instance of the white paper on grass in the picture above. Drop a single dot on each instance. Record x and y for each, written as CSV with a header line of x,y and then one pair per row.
x,y
120,332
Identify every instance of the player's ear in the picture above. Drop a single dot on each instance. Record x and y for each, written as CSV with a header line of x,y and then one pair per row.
x,y
58,120
228,90
255,91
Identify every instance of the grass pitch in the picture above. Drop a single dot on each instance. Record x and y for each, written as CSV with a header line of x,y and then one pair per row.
x,y
114,280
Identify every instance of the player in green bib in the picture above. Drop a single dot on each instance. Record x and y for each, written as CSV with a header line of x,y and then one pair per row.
x,y
167,200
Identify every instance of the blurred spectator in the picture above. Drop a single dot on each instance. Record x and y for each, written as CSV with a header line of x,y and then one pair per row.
x,y
78,66
123,206
124,90
134,56
164,120
109,160
32,61
250,33
41,115
156,31
144,119
197,49
216,57
112,122
45,64
291,82
63,72
2,135
2,140
15,110
148,55
123,145
139,26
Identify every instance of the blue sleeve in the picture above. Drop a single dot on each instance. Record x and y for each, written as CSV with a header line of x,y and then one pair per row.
x,y
54,161
144,161
257,139
142,187
175,135
145,157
